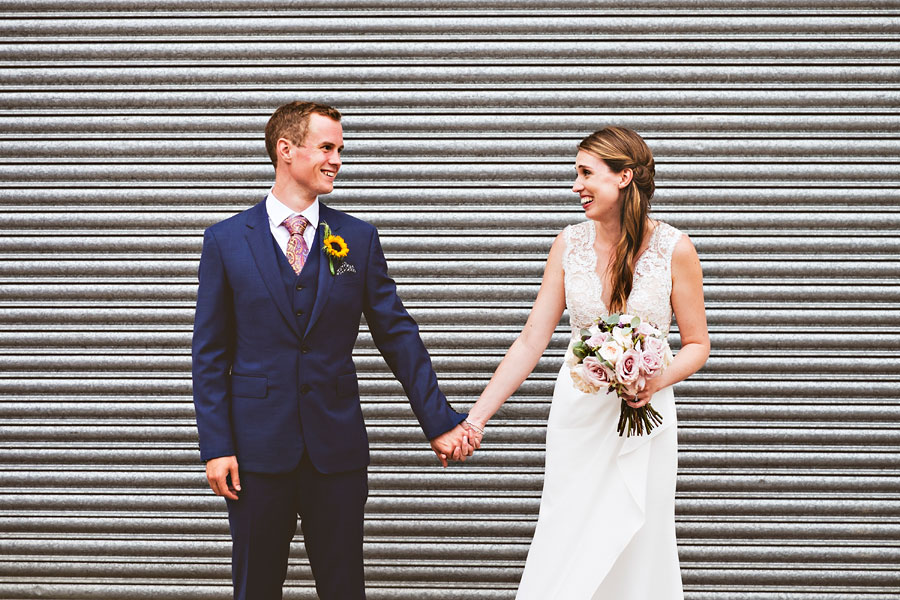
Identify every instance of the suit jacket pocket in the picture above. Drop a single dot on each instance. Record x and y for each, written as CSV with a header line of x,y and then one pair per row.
x,y
249,386
347,279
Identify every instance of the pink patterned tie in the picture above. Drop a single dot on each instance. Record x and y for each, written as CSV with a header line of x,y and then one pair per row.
x,y
297,250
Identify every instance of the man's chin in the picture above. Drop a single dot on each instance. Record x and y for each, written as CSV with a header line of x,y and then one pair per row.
x,y
326,188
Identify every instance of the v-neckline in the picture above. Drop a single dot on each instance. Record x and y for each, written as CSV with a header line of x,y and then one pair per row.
x,y
597,261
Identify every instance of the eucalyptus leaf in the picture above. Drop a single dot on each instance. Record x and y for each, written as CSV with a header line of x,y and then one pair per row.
x,y
580,350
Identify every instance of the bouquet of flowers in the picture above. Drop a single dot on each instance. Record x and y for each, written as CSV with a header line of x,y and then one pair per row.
x,y
620,353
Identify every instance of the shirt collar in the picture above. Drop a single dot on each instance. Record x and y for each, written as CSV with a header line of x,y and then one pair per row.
x,y
278,212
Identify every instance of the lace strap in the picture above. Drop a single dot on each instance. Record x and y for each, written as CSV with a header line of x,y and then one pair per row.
x,y
578,244
667,239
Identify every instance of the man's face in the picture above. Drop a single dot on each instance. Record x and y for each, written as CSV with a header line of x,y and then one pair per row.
x,y
314,165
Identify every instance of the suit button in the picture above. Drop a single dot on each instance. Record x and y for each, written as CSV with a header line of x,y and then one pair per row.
x,y
299,287
304,389
304,349
299,313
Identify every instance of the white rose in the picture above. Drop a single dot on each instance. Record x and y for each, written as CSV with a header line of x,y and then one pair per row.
x,y
623,338
610,351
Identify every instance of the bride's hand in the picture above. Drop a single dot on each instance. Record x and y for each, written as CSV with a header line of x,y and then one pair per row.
x,y
643,397
476,432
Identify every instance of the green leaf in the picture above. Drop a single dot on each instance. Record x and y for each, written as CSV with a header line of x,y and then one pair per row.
x,y
580,350
635,322
612,319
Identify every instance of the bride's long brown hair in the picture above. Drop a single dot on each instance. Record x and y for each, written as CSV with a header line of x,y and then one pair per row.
x,y
621,148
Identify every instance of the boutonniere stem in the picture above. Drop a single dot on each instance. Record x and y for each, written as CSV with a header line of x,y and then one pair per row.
x,y
334,247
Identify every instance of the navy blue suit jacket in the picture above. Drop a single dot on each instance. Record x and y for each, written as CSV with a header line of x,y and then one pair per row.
x,y
265,391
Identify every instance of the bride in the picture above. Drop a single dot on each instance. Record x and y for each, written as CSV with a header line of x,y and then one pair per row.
x,y
606,526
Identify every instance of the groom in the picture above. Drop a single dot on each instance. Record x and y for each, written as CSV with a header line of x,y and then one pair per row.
x,y
275,389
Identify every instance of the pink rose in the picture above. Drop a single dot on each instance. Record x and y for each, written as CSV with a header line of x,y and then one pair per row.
x,y
628,369
596,373
646,329
626,320
652,357
578,381
596,340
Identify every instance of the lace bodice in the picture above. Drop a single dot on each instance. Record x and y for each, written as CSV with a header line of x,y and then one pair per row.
x,y
651,292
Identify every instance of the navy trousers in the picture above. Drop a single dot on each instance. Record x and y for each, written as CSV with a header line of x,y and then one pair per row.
x,y
264,519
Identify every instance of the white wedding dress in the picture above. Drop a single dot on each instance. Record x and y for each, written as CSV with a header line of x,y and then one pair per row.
x,y
606,528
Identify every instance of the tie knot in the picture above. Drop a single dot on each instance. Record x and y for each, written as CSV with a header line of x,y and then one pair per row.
x,y
296,224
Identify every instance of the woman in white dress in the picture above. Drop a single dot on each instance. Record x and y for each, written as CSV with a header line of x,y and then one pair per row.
x,y
606,528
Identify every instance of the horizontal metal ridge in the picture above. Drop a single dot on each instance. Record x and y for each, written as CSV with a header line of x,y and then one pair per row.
x,y
353,49
369,149
413,75
430,174
550,199
548,25
84,8
116,113
875,365
140,343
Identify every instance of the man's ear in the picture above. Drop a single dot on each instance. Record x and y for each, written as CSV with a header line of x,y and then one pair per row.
x,y
283,150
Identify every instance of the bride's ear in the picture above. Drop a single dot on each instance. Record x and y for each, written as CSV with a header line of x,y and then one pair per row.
x,y
625,178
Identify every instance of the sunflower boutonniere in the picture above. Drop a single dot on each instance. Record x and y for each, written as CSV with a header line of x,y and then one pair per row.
x,y
334,247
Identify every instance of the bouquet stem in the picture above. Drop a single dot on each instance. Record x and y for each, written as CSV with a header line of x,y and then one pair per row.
x,y
637,420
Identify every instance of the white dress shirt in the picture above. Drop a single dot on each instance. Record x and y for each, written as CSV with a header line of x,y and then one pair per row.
x,y
278,212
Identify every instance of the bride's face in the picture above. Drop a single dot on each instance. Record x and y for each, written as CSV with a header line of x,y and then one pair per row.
x,y
598,186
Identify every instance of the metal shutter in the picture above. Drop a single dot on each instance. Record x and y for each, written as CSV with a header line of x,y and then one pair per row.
x,y
126,127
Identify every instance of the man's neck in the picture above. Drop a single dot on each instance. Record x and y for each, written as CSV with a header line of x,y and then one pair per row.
x,y
291,196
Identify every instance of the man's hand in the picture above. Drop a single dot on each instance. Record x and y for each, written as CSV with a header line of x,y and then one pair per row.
x,y
222,474
452,445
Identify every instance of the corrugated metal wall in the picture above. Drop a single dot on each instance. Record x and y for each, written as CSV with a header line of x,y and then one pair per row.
x,y
126,127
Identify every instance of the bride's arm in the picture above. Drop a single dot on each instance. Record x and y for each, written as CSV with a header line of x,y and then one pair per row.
x,y
526,351
687,303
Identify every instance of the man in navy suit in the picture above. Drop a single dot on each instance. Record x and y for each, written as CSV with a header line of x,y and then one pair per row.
x,y
275,389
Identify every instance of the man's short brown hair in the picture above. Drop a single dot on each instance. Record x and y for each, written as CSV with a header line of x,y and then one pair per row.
x,y
291,121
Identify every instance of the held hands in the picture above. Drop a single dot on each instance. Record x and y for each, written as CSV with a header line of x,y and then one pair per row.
x,y
222,474
457,444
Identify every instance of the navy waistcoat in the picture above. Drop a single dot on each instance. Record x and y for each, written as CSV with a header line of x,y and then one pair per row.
x,y
301,289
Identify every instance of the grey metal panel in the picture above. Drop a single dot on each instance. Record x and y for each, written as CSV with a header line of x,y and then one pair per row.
x,y
125,129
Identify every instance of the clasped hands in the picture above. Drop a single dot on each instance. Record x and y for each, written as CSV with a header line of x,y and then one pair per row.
x,y
458,444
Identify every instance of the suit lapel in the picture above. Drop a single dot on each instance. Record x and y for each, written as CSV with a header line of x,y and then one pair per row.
x,y
259,238
326,279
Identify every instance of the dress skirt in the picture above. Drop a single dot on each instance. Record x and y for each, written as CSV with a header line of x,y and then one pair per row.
x,y
606,527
